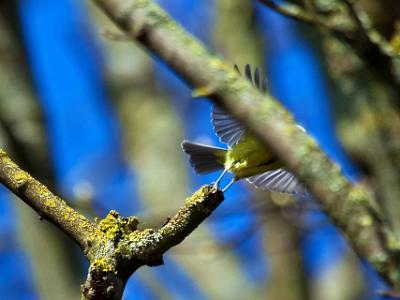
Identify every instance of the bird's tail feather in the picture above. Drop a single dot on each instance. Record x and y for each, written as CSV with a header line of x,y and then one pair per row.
x,y
203,158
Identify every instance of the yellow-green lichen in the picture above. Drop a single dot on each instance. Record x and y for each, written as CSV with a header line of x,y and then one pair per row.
x,y
139,235
392,242
199,195
337,183
20,177
170,229
116,228
203,91
103,264
50,203
217,65
110,225
41,190
357,194
366,220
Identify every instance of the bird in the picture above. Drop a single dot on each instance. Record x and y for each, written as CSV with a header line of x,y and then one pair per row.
x,y
245,157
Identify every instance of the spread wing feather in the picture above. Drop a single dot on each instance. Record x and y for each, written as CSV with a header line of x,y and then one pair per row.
x,y
225,126
279,180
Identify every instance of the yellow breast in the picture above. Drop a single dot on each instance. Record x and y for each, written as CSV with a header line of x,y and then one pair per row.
x,y
249,157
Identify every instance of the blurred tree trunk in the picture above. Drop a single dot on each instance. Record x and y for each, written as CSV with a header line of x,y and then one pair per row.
x,y
367,110
288,280
22,133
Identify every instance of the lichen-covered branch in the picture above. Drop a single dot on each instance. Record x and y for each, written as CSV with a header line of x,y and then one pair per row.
x,y
115,247
350,206
44,202
124,248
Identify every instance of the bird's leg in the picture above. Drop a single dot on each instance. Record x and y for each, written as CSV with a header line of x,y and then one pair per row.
x,y
229,184
216,184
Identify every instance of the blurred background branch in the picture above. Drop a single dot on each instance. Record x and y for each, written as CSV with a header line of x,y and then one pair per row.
x,y
23,135
353,26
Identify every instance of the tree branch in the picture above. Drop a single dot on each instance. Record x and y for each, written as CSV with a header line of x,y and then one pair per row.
x,y
367,34
114,246
124,248
297,13
45,203
350,207
367,43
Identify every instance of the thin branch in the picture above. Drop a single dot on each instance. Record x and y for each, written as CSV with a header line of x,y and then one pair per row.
x,y
45,203
310,16
125,248
350,207
368,33
362,31
297,13
366,42
353,14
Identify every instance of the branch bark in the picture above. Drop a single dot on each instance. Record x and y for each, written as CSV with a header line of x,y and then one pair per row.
x,y
113,245
367,43
349,206
45,203
123,248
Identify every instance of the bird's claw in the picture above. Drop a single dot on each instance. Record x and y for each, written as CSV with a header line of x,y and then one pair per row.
x,y
215,185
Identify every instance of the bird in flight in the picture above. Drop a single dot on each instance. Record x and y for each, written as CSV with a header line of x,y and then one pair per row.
x,y
245,157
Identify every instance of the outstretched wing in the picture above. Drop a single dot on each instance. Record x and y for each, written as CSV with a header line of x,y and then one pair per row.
x,y
258,82
225,126
278,180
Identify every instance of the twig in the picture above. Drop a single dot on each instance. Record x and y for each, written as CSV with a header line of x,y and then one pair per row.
x,y
366,42
297,13
350,207
353,13
369,34
124,248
